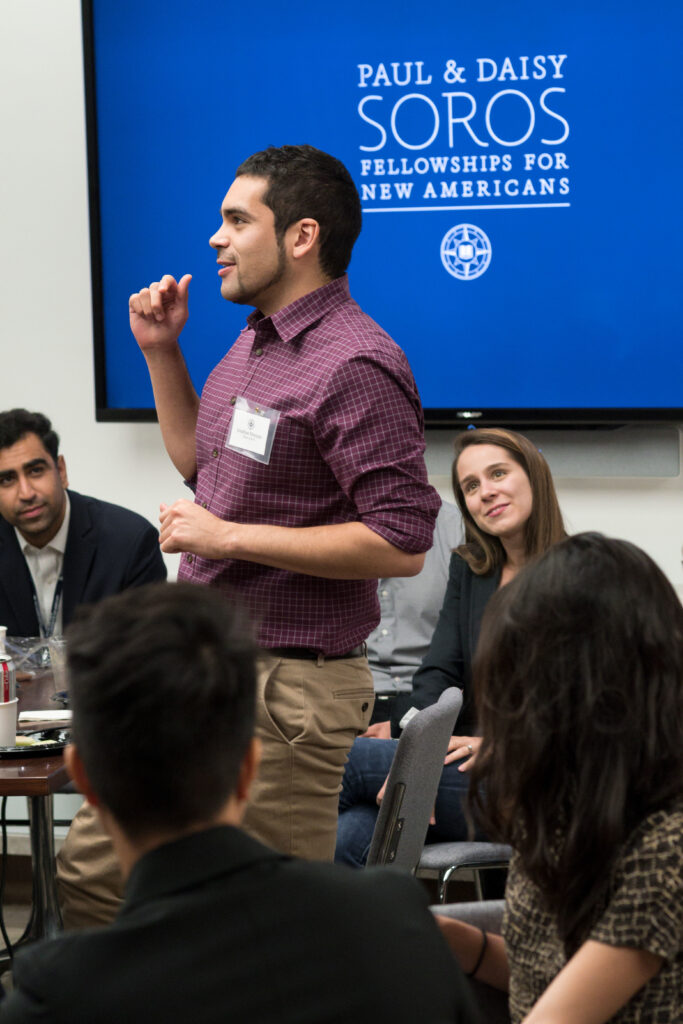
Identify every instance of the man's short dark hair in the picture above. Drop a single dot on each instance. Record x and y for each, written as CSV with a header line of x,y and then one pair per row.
x,y
15,424
162,687
306,182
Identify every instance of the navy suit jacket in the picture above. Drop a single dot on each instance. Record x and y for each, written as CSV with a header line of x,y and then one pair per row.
x,y
216,928
108,549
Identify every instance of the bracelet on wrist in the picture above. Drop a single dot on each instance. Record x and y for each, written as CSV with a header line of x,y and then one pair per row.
x,y
482,951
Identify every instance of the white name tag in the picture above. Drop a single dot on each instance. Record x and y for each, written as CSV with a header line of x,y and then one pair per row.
x,y
252,430
249,431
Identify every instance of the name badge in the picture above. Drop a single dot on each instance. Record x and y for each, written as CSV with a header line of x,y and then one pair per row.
x,y
252,430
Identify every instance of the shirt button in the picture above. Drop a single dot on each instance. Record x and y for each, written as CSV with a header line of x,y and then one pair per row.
x,y
364,707
233,400
385,632
258,352
204,505
214,453
190,559
385,593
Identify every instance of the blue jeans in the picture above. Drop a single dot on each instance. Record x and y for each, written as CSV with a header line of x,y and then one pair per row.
x,y
366,769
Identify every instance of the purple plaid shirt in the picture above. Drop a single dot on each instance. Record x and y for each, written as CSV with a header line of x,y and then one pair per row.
x,y
348,447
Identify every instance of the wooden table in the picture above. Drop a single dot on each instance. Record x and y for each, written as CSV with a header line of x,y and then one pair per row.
x,y
38,778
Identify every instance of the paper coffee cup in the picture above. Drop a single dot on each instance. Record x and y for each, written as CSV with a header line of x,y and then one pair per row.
x,y
8,723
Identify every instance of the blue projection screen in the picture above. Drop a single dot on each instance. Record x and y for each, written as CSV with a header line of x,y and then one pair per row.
x,y
519,167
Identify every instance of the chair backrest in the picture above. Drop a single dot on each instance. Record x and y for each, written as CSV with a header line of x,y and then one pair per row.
x,y
416,769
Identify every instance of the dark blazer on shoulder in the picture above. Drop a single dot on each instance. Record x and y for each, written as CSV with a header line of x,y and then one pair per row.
x,y
448,662
108,549
217,928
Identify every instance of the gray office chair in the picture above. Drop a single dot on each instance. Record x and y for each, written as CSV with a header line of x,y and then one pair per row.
x,y
441,861
488,914
399,835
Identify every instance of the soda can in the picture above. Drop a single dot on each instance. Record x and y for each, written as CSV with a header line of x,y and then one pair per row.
x,y
8,679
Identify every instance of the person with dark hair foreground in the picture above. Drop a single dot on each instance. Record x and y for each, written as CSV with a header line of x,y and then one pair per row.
x,y
505,493
579,690
214,926
306,457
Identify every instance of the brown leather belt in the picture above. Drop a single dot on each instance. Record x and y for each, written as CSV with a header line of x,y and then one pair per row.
x,y
306,654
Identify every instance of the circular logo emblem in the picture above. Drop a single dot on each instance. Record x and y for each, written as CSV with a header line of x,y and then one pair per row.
x,y
251,424
465,251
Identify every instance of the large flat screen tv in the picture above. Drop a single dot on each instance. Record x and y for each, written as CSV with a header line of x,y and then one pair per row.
x,y
519,167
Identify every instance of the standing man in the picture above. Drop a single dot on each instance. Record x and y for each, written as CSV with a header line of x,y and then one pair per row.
x,y
305,455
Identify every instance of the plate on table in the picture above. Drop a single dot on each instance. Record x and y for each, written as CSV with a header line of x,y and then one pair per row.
x,y
40,744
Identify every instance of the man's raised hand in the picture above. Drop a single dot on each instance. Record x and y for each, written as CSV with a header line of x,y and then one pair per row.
x,y
159,313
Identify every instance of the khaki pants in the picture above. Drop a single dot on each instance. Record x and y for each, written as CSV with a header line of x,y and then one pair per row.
x,y
88,876
307,716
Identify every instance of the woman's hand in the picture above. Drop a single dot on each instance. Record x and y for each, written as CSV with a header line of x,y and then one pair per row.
x,y
463,746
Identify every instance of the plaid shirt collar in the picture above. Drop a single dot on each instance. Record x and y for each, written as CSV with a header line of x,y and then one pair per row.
x,y
301,314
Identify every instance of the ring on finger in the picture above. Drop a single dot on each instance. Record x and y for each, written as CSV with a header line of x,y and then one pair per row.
x,y
469,747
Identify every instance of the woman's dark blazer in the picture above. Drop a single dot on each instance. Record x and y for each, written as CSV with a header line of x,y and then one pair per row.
x,y
448,662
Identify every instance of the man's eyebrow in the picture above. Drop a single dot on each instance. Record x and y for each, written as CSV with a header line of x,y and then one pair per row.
x,y
230,211
26,467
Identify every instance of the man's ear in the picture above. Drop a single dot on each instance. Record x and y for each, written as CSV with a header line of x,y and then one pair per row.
x,y
305,236
78,774
61,467
248,768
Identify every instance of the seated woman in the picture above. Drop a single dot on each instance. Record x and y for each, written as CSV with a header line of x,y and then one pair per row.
x,y
507,499
579,689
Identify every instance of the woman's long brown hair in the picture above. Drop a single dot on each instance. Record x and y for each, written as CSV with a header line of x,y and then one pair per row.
x,y
578,681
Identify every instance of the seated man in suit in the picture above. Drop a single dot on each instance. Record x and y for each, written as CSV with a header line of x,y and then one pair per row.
x,y
214,926
59,549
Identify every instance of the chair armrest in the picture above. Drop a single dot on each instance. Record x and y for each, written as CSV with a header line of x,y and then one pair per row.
x,y
486,914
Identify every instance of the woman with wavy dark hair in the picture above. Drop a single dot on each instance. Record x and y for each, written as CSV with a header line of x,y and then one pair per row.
x,y
506,495
579,691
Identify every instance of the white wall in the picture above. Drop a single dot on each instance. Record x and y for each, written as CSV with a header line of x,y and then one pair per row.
x,y
46,341
46,334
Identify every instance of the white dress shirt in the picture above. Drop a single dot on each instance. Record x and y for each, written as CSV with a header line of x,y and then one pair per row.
x,y
45,565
